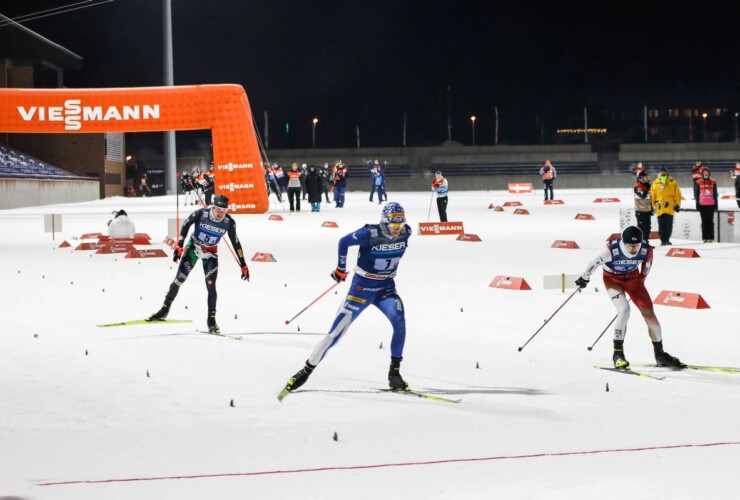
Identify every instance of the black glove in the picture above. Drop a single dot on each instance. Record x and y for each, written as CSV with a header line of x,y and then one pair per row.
x,y
339,275
665,204
177,254
245,272
678,209
582,282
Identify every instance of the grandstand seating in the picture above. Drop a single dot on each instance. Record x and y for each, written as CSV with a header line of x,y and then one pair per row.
x,y
461,170
679,166
16,164
451,170
388,171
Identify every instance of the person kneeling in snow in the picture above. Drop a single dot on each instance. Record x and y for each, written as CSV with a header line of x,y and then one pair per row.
x,y
120,226
621,260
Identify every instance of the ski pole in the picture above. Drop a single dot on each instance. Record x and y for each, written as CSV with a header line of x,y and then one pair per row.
x,y
287,321
605,329
548,319
429,214
177,203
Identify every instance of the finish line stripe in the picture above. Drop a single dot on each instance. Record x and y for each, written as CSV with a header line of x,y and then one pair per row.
x,y
401,464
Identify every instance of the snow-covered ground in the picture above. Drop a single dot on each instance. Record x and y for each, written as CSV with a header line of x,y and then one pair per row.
x,y
142,412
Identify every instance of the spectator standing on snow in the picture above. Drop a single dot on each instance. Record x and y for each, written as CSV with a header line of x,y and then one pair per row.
x,y
666,197
643,204
439,186
707,203
548,174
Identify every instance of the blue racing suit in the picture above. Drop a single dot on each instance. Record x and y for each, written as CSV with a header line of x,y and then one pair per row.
x,y
377,263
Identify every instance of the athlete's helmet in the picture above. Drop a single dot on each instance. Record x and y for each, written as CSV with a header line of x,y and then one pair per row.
x,y
393,213
220,201
632,235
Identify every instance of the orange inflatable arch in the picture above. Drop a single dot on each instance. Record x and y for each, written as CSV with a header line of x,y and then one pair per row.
x,y
224,109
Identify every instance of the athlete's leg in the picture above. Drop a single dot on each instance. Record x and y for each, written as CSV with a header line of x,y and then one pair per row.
x,y
353,305
392,307
635,288
187,262
210,270
619,301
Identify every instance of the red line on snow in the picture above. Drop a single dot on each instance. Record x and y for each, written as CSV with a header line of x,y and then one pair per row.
x,y
401,464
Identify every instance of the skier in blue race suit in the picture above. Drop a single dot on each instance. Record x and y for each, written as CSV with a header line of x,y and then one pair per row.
x,y
381,248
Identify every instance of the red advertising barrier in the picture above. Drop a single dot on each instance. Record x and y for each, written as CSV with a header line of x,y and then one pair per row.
x,y
682,252
115,247
263,257
329,223
440,228
275,217
521,211
607,200
520,187
509,283
554,202
564,244
585,217
145,254
468,237
681,299
512,204
91,236
89,246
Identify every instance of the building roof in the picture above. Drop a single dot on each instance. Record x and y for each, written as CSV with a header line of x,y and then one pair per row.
x,y
24,46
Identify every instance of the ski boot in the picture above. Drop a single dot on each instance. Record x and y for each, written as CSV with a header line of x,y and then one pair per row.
x,y
299,378
211,322
619,360
395,381
161,314
662,358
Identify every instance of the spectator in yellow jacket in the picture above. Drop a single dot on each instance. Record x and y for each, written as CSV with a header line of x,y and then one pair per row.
x,y
666,197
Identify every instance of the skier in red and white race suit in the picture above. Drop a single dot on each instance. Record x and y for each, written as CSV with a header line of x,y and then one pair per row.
x,y
626,263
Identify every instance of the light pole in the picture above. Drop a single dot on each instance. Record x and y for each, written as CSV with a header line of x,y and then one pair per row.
x,y
449,112
472,127
704,116
313,132
736,114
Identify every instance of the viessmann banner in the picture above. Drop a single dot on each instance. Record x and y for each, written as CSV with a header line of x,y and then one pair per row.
x,y
224,109
440,228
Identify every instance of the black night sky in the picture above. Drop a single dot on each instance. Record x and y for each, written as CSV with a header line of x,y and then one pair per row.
x,y
365,64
